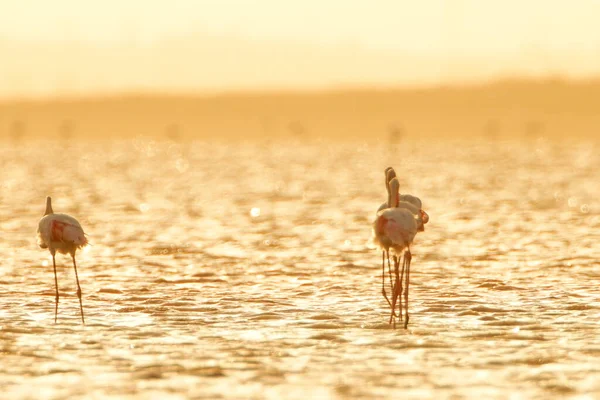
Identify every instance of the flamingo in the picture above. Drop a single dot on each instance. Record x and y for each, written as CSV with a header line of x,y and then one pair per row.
x,y
413,204
396,228
62,233
389,175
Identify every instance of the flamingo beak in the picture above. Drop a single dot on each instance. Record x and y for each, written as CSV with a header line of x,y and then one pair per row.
x,y
424,220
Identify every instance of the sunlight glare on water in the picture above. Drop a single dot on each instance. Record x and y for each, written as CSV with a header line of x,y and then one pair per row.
x,y
200,284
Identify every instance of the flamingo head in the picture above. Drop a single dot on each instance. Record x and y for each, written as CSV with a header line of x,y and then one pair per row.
x,y
389,174
424,220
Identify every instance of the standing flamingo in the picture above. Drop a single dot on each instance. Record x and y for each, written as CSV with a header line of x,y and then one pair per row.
x,y
396,228
62,233
389,175
413,204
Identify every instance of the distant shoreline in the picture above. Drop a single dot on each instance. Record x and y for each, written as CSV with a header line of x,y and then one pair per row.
x,y
504,108
307,91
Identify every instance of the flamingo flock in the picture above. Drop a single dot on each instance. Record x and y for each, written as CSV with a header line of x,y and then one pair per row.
x,y
397,223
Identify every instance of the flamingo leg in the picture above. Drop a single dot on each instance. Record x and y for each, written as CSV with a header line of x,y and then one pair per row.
x,y
392,285
399,286
383,278
78,289
400,283
390,272
408,256
56,286
393,298
396,294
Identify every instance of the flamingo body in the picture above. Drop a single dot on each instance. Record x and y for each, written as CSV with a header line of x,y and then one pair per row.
x,y
414,200
62,233
395,228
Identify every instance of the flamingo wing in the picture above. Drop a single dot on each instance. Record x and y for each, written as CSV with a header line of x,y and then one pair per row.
x,y
395,232
64,232
399,225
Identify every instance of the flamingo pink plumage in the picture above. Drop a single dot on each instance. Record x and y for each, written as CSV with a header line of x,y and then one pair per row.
x,y
62,233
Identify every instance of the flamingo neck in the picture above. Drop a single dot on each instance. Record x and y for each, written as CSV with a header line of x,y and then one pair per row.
x,y
48,207
394,199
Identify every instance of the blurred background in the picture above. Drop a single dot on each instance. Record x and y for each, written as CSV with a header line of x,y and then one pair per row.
x,y
218,69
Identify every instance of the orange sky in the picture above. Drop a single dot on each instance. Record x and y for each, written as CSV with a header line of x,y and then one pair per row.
x,y
73,47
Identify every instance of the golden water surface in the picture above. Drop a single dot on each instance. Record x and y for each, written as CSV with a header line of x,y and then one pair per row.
x,y
245,270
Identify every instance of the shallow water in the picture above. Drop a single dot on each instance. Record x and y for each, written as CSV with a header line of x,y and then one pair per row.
x,y
246,271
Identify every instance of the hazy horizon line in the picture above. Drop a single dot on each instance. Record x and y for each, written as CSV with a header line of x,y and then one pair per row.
x,y
306,90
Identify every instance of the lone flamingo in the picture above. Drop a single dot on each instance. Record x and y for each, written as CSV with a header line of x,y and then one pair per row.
x,y
396,228
62,233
